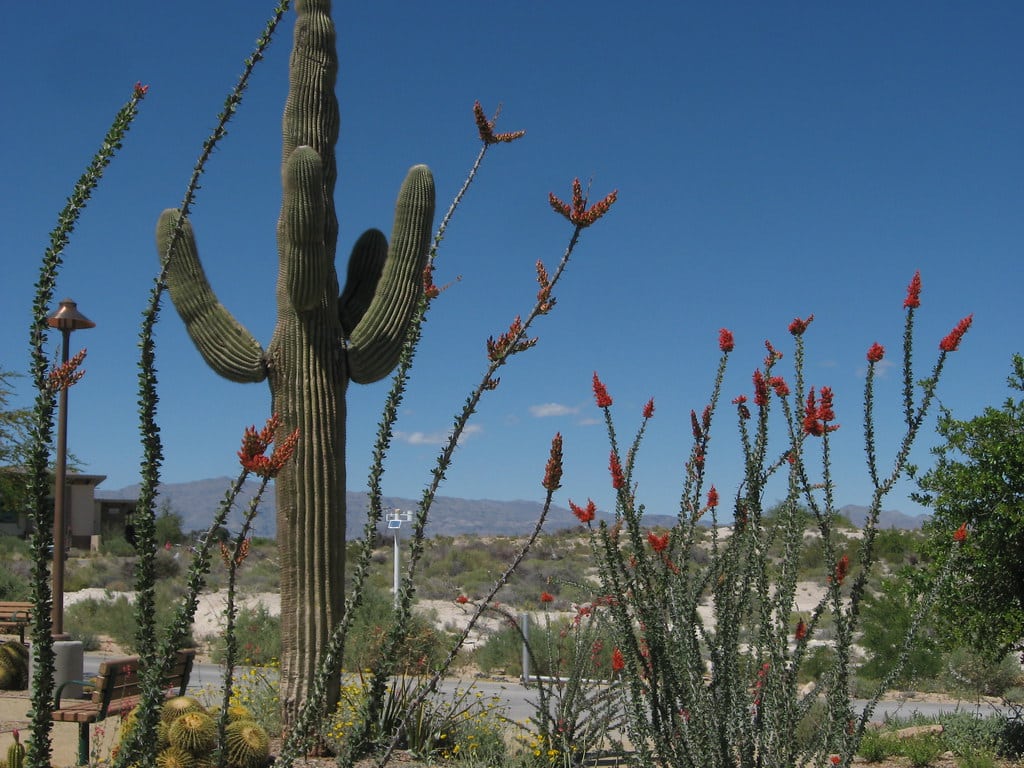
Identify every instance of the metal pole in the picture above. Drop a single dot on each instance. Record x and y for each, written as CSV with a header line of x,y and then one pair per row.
x,y
524,627
60,503
398,530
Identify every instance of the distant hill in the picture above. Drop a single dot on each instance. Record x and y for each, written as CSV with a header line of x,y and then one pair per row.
x,y
197,501
887,518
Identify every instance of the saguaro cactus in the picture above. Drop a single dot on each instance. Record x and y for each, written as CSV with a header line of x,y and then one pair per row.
x,y
320,343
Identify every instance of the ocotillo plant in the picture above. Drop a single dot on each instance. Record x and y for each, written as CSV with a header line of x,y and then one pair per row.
x,y
320,343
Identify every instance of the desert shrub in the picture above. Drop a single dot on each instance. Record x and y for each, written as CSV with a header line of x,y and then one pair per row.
x,y
921,751
422,649
460,725
877,746
95,572
971,672
503,650
115,616
887,615
14,585
116,545
257,690
976,760
259,638
818,661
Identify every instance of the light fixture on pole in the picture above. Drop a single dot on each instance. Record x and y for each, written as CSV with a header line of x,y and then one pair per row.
x,y
395,520
66,319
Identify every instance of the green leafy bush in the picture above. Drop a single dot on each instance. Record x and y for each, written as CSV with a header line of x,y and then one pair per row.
x,y
259,638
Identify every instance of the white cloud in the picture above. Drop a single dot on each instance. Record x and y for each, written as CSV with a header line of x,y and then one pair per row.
x,y
435,438
545,410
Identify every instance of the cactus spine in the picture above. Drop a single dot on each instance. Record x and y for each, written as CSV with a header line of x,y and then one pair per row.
x,y
321,340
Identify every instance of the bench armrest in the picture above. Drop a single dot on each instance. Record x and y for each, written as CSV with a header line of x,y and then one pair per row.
x,y
60,690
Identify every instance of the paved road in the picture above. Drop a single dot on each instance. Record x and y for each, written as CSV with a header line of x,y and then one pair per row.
x,y
519,702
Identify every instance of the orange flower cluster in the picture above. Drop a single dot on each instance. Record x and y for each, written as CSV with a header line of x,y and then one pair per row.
x,y
578,213
726,342
798,326
951,342
584,514
545,301
842,568
240,554
255,443
876,353
601,396
960,534
67,374
658,543
913,300
509,343
485,127
618,479
817,414
648,411
553,471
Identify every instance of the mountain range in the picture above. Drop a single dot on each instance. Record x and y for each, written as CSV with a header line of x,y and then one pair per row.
x,y
197,501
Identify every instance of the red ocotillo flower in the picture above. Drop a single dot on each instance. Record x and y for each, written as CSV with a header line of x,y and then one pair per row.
x,y
960,534
584,514
618,479
726,342
798,326
578,213
553,471
255,443
485,127
601,395
658,543
876,353
951,341
649,409
913,300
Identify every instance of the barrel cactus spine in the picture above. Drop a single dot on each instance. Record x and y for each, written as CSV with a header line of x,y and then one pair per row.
x,y
321,341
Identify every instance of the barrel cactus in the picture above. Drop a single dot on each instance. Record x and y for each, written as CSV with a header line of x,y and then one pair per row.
x,y
15,754
175,757
195,732
13,666
177,706
323,340
246,744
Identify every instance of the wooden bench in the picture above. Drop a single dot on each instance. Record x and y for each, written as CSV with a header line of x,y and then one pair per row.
x,y
15,618
116,690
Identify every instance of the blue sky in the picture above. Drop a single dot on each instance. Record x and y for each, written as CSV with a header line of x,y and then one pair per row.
x,y
772,161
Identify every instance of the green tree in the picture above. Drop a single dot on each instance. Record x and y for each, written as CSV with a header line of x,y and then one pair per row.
x,y
978,481
168,525
886,620
14,429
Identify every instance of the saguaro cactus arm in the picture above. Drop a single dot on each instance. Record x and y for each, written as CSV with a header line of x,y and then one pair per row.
x,y
375,344
365,265
225,344
304,260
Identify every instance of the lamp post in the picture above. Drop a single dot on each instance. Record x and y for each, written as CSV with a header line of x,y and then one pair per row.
x,y
395,520
66,319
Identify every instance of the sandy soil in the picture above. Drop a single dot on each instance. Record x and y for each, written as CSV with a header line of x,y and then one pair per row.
x,y
447,614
